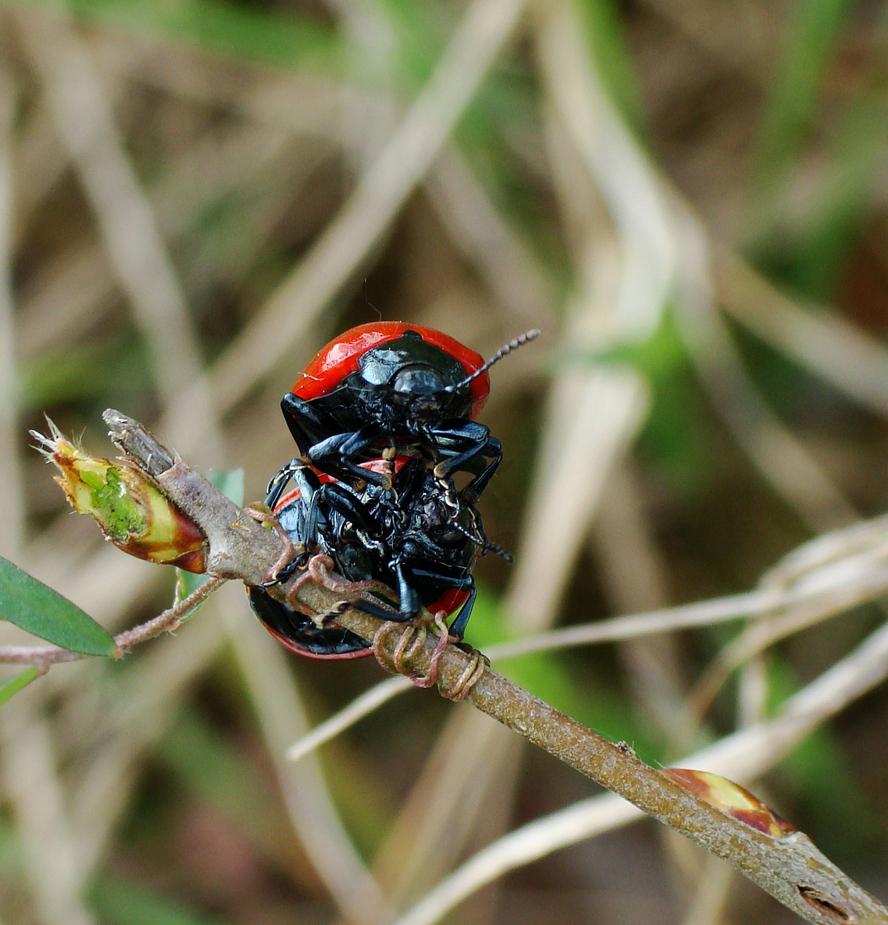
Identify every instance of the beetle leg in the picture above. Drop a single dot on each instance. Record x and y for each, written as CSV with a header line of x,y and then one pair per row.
x,y
308,422
304,479
490,449
458,626
345,502
339,455
410,603
473,673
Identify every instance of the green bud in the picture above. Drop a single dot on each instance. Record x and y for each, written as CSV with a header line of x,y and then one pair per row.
x,y
128,506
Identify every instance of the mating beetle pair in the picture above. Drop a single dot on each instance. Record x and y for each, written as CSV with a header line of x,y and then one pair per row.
x,y
421,545
410,394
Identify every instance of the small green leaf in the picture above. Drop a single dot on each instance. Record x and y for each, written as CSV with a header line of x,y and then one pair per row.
x,y
32,606
11,686
187,583
231,484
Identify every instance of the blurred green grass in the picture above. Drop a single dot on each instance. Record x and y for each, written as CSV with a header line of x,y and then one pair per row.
x,y
781,155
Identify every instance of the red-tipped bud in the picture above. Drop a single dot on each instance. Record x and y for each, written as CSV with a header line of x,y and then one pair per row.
x,y
733,800
128,506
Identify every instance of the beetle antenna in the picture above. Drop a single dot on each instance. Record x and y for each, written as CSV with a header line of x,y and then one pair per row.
x,y
503,351
480,540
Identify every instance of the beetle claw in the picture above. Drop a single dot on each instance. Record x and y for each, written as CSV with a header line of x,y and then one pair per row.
x,y
431,678
283,568
408,647
472,674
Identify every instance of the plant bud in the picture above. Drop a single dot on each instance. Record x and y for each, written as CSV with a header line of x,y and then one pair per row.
x,y
732,799
130,509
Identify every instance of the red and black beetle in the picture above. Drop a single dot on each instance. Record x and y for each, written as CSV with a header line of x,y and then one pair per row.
x,y
423,546
395,385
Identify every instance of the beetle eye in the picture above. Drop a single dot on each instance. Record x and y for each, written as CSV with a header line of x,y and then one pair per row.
x,y
418,382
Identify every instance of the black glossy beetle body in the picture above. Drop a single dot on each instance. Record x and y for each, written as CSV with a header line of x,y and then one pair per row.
x,y
407,388
421,541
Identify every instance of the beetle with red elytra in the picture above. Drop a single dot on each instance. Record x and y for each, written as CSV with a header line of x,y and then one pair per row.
x,y
385,415
422,546
390,385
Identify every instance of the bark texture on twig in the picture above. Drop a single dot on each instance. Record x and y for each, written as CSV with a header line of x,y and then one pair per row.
x,y
788,866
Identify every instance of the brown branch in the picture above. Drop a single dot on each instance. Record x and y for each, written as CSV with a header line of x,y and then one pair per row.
x,y
166,622
781,861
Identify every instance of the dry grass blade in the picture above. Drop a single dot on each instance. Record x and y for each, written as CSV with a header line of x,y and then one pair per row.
x,y
350,238
312,813
624,178
834,572
820,339
357,710
124,215
742,756
631,626
594,418
634,577
780,456
482,233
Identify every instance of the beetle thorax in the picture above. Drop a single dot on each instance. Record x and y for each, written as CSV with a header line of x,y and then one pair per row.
x,y
412,378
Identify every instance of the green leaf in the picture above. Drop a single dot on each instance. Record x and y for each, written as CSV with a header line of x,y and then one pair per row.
x,y
231,484
119,902
11,686
32,606
287,39
814,33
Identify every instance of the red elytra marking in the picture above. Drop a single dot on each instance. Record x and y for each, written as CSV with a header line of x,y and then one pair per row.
x,y
450,601
307,653
340,358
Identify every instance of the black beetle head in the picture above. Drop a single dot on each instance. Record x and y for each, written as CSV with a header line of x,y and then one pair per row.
x,y
417,376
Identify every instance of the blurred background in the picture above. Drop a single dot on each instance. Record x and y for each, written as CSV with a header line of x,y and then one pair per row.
x,y
688,197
